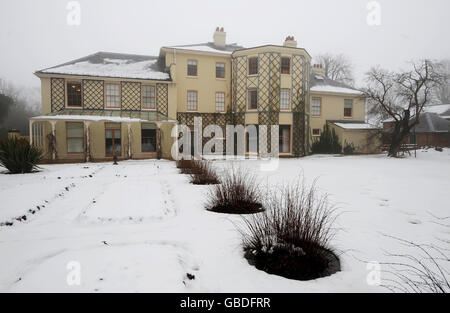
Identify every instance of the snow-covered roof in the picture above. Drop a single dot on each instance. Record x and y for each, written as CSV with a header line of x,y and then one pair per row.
x,y
334,89
438,109
116,65
429,123
432,123
320,83
208,47
92,118
354,125
117,116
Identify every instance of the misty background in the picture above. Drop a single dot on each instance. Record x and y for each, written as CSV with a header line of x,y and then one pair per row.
x,y
35,34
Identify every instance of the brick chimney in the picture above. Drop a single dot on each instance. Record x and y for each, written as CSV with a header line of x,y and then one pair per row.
x,y
220,37
290,42
318,69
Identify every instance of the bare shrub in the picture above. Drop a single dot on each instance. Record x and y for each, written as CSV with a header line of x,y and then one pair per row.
x,y
188,166
204,174
424,270
182,163
291,238
238,193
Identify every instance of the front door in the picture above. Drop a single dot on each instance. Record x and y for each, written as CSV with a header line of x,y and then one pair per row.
x,y
113,140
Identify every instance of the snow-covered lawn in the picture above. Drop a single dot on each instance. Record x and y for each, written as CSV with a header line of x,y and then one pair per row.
x,y
140,226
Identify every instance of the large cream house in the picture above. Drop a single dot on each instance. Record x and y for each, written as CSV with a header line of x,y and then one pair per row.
x,y
126,105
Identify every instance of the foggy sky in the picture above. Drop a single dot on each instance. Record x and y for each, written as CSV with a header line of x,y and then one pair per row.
x,y
34,34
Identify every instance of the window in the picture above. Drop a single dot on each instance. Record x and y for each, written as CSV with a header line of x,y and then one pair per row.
x,y
192,100
316,106
113,143
220,70
285,65
316,132
252,99
220,101
74,95
284,143
348,107
148,97
112,96
254,146
75,137
192,68
285,101
148,137
253,66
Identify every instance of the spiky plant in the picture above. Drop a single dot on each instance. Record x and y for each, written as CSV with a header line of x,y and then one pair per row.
x,y
18,156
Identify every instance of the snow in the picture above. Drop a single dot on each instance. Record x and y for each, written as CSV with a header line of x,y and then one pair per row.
x,y
94,118
202,48
140,226
112,68
355,125
437,108
334,89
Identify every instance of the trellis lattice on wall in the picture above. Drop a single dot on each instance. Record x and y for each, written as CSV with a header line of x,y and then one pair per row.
x,y
131,96
298,95
264,82
58,94
306,82
219,119
93,94
298,133
275,85
241,84
187,118
252,82
298,104
162,99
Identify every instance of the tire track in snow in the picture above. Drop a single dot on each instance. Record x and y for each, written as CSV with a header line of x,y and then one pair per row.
x,y
38,207
170,209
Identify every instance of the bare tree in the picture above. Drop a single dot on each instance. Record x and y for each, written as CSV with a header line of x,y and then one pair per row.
x,y
399,95
17,104
442,91
337,67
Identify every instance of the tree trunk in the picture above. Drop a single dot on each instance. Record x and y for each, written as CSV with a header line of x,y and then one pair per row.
x,y
401,130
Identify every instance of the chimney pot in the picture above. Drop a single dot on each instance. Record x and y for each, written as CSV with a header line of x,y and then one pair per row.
x,y
318,69
220,37
290,42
